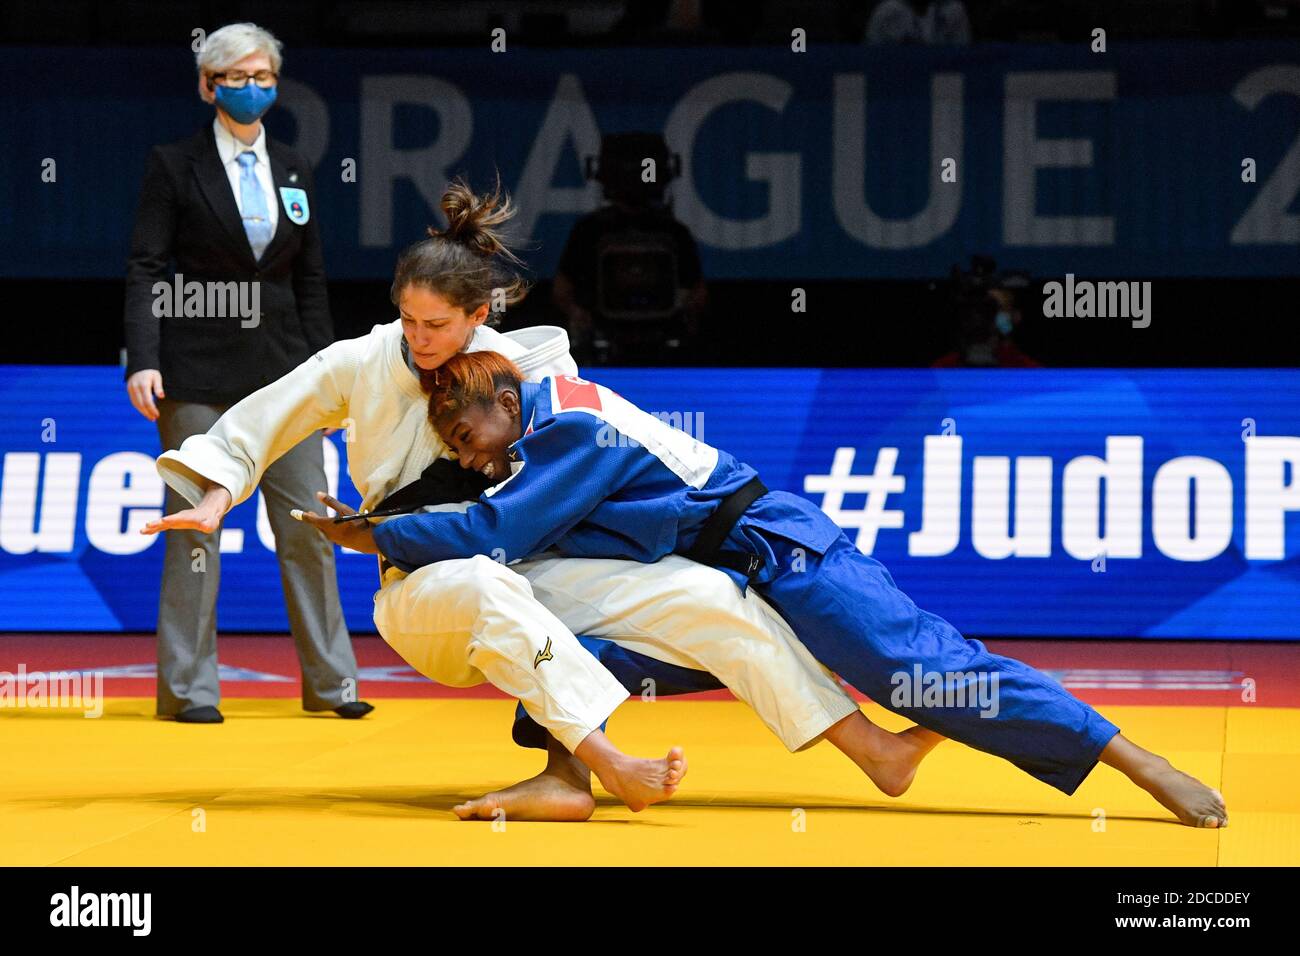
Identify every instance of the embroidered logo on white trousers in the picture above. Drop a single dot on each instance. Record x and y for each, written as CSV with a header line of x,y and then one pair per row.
x,y
543,655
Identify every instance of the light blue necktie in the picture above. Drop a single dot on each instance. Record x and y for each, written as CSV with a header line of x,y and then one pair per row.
x,y
257,219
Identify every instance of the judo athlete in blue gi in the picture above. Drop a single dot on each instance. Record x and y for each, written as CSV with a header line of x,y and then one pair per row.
x,y
584,473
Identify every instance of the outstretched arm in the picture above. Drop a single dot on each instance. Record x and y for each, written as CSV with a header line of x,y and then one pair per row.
x,y
205,516
566,474
256,431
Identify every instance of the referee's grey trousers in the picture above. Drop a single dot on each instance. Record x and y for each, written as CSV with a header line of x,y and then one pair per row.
x,y
187,605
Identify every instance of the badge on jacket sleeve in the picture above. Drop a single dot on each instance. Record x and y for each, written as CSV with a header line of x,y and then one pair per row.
x,y
295,204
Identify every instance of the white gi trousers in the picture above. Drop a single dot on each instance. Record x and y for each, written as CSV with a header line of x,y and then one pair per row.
x,y
463,622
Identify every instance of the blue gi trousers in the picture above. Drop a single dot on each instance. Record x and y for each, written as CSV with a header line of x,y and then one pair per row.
x,y
846,609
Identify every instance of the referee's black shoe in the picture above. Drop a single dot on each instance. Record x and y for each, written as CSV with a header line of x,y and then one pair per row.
x,y
358,708
200,715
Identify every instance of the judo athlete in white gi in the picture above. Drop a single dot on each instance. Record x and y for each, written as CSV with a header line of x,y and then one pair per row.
x,y
586,473
464,622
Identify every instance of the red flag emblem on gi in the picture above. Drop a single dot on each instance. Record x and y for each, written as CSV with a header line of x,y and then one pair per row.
x,y
573,392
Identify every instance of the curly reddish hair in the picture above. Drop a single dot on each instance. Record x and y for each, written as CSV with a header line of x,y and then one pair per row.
x,y
468,378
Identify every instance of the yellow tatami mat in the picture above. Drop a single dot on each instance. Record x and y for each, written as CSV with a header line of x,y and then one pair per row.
x,y
275,786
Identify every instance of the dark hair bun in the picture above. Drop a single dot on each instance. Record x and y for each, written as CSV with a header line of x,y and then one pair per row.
x,y
471,219
471,262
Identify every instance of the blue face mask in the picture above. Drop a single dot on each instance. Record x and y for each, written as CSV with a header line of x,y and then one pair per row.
x,y
247,104
1003,322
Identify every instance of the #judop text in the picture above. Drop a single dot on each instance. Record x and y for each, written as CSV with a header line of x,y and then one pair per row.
x,y
1101,503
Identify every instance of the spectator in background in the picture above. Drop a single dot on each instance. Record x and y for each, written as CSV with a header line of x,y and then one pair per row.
x,y
986,309
659,21
935,22
688,21
629,279
232,207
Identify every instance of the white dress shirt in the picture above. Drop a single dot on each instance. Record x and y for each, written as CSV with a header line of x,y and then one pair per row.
x,y
229,148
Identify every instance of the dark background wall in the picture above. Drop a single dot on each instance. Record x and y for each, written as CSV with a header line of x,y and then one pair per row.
x,y
1223,321
1198,322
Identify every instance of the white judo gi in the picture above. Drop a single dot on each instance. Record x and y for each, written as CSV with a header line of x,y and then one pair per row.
x,y
464,622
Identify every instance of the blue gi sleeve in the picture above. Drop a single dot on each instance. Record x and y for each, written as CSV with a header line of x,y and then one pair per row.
x,y
566,474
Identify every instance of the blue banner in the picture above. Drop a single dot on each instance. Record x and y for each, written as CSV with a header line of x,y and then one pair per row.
x,y
1152,159
1035,502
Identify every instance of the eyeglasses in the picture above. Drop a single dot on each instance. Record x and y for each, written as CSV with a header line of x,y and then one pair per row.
x,y
238,79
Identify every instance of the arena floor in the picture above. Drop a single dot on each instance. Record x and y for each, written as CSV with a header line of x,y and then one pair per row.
x,y
276,786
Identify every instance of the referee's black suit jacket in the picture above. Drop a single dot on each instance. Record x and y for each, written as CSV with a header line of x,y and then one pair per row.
x,y
188,215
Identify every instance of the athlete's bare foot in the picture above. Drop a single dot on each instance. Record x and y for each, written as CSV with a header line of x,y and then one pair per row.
x,y
560,793
890,760
1192,802
546,796
634,780
640,783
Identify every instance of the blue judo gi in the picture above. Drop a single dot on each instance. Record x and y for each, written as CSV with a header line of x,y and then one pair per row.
x,y
594,476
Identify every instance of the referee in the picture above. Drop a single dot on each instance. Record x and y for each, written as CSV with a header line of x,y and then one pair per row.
x,y
231,205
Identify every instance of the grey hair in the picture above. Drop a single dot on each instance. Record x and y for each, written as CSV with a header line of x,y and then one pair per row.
x,y
233,42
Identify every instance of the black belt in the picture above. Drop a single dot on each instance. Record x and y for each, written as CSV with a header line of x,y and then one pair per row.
x,y
443,482
708,546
